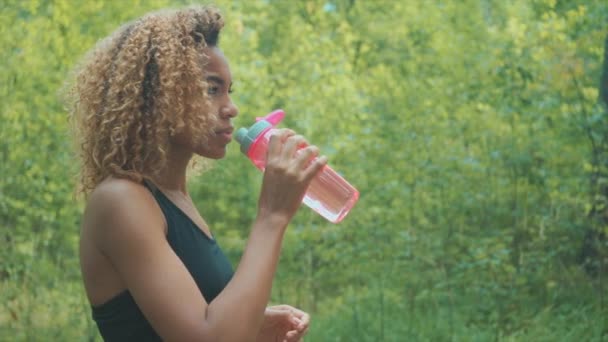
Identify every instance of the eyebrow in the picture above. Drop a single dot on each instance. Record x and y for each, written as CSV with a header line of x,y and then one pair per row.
x,y
216,79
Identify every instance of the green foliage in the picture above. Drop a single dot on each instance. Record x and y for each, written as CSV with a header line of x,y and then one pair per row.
x,y
471,129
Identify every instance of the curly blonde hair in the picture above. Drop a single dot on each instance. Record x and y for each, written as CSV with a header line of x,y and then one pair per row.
x,y
137,88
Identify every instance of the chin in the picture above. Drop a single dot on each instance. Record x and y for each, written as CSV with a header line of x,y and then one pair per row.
x,y
212,154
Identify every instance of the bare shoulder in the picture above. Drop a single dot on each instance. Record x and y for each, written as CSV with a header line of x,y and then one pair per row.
x,y
119,208
116,189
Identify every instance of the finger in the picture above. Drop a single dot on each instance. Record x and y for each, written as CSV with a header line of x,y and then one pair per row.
x,y
272,312
301,319
296,316
282,310
292,144
292,336
282,307
297,312
277,138
304,322
295,335
299,336
296,323
305,155
314,167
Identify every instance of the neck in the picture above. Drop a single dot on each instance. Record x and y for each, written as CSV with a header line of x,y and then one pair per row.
x,y
173,176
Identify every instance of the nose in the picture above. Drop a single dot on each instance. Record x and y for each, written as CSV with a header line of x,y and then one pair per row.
x,y
230,110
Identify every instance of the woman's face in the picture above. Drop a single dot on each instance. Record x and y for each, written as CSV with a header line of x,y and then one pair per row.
x,y
219,79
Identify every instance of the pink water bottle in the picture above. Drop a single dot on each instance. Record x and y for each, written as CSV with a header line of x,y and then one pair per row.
x,y
329,194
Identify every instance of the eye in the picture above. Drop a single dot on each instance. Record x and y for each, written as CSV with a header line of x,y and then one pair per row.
x,y
230,91
212,90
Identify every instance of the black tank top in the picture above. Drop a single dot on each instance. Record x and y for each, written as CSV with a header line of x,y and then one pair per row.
x,y
120,319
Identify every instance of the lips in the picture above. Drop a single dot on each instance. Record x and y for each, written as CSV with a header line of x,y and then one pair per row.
x,y
225,132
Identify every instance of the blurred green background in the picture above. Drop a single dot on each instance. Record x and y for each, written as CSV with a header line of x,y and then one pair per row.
x,y
472,129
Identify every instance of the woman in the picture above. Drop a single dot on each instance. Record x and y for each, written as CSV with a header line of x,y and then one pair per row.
x,y
145,101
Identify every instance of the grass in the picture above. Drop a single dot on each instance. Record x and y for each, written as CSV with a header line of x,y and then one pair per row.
x,y
52,307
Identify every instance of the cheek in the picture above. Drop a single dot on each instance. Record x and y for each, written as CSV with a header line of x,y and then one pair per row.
x,y
207,146
182,138
187,139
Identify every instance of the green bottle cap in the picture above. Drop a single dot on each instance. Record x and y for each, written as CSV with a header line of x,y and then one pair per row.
x,y
245,137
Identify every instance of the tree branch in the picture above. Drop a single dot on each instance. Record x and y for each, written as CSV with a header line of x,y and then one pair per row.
x,y
604,79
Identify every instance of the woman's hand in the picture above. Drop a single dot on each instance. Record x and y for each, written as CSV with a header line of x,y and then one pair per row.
x,y
288,174
283,323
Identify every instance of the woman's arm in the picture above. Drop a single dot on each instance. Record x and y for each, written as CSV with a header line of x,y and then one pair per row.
x,y
128,228
286,179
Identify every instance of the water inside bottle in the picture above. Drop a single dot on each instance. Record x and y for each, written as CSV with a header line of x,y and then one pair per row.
x,y
330,195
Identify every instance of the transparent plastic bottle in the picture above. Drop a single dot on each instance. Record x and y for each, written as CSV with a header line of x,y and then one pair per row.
x,y
329,194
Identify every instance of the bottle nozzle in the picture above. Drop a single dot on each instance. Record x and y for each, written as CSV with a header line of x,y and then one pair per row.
x,y
247,136
274,117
